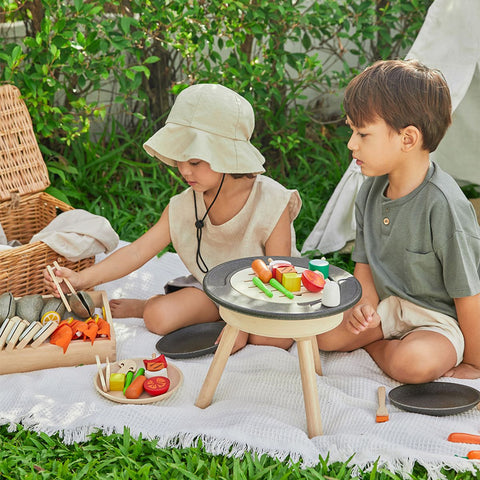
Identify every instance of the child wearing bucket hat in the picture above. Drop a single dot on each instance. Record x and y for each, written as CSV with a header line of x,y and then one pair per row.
x,y
229,211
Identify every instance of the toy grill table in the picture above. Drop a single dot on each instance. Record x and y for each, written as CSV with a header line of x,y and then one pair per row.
x,y
250,311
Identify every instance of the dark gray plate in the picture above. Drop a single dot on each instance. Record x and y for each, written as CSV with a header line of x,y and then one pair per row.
x,y
435,398
191,341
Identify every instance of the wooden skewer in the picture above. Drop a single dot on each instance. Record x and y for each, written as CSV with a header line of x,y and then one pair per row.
x,y
107,374
66,280
100,374
59,288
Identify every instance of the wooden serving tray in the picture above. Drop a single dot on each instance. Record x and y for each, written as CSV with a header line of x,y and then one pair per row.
x,y
41,354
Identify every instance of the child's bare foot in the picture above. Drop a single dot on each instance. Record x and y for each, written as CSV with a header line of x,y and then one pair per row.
x,y
127,308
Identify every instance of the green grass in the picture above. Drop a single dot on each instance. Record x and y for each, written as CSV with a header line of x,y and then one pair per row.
x,y
27,455
115,178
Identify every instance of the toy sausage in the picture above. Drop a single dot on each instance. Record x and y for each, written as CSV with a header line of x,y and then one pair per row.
x,y
135,389
261,270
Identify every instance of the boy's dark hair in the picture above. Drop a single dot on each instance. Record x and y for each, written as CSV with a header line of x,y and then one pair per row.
x,y
402,93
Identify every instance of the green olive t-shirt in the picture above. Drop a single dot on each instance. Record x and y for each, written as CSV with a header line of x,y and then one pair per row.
x,y
424,247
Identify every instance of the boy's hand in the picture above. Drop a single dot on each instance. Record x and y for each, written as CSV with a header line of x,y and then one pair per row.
x,y
361,317
464,370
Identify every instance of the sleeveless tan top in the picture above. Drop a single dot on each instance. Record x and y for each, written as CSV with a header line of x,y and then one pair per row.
x,y
242,236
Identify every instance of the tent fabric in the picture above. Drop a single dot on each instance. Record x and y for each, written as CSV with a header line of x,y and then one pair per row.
x,y
336,225
449,40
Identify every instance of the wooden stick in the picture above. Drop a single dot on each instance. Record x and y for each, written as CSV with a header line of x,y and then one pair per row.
x,y
100,373
66,280
59,288
107,374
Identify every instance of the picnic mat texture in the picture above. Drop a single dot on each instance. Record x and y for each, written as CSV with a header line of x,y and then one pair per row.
x,y
258,405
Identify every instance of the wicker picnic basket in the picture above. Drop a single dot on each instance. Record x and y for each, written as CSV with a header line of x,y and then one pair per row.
x,y
25,208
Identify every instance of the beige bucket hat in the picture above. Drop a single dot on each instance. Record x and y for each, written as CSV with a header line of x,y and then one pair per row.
x,y
209,122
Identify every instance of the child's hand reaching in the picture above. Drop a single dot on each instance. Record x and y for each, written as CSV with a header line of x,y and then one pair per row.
x,y
361,317
61,273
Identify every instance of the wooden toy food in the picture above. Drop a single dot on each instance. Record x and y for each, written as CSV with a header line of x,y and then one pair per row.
x,y
7,306
128,380
50,316
81,304
156,385
155,364
29,307
313,281
292,281
33,347
135,389
261,270
280,270
277,285
117,381
62,336
142,389
274,264
53,305
258,283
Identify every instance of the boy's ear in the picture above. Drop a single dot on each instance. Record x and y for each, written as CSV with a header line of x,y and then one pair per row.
x,y
411,137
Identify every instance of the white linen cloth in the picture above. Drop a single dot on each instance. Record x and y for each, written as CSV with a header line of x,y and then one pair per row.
x,y
258,405
78,234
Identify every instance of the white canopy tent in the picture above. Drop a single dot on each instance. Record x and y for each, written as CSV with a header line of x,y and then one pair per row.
x,y
449,40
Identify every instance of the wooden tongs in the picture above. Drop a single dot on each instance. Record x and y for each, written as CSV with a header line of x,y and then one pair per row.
x,y
59,288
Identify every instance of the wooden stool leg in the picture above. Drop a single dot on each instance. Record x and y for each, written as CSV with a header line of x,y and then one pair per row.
x,y
316,356
217,366
309,384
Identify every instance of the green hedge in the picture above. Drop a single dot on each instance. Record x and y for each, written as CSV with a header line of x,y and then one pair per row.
x,y
285,57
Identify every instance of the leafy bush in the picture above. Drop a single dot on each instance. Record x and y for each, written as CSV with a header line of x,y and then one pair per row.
x,y
286,57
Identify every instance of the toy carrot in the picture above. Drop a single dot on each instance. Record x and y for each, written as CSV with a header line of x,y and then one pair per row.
x,y
62,336
460,437
135,389
91,331
78,327
103,328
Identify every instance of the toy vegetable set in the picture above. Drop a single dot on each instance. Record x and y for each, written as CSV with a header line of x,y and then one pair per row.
x,y
289,281
138,380
38,331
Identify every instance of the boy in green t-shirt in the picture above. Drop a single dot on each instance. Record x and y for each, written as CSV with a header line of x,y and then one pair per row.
x,y
417,248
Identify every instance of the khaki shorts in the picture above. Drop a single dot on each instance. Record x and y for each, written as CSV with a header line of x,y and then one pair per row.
x,y
401,317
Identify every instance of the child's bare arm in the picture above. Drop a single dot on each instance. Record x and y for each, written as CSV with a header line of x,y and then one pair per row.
x,y
468,313
364,314
280,241
123,261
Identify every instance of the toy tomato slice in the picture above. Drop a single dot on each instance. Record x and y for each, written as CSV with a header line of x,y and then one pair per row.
x,y
156,385
155,364
313,281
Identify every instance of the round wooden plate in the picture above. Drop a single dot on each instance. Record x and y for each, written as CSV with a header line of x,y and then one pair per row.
x,y
174,374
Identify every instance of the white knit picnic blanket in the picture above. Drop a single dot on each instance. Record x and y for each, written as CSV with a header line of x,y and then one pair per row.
x,y
258,405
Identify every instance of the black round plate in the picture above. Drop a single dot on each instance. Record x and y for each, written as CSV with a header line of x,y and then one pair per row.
x,y
192,341
435,398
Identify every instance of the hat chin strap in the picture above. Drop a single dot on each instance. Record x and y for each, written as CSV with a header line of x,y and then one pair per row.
x,y
199,224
